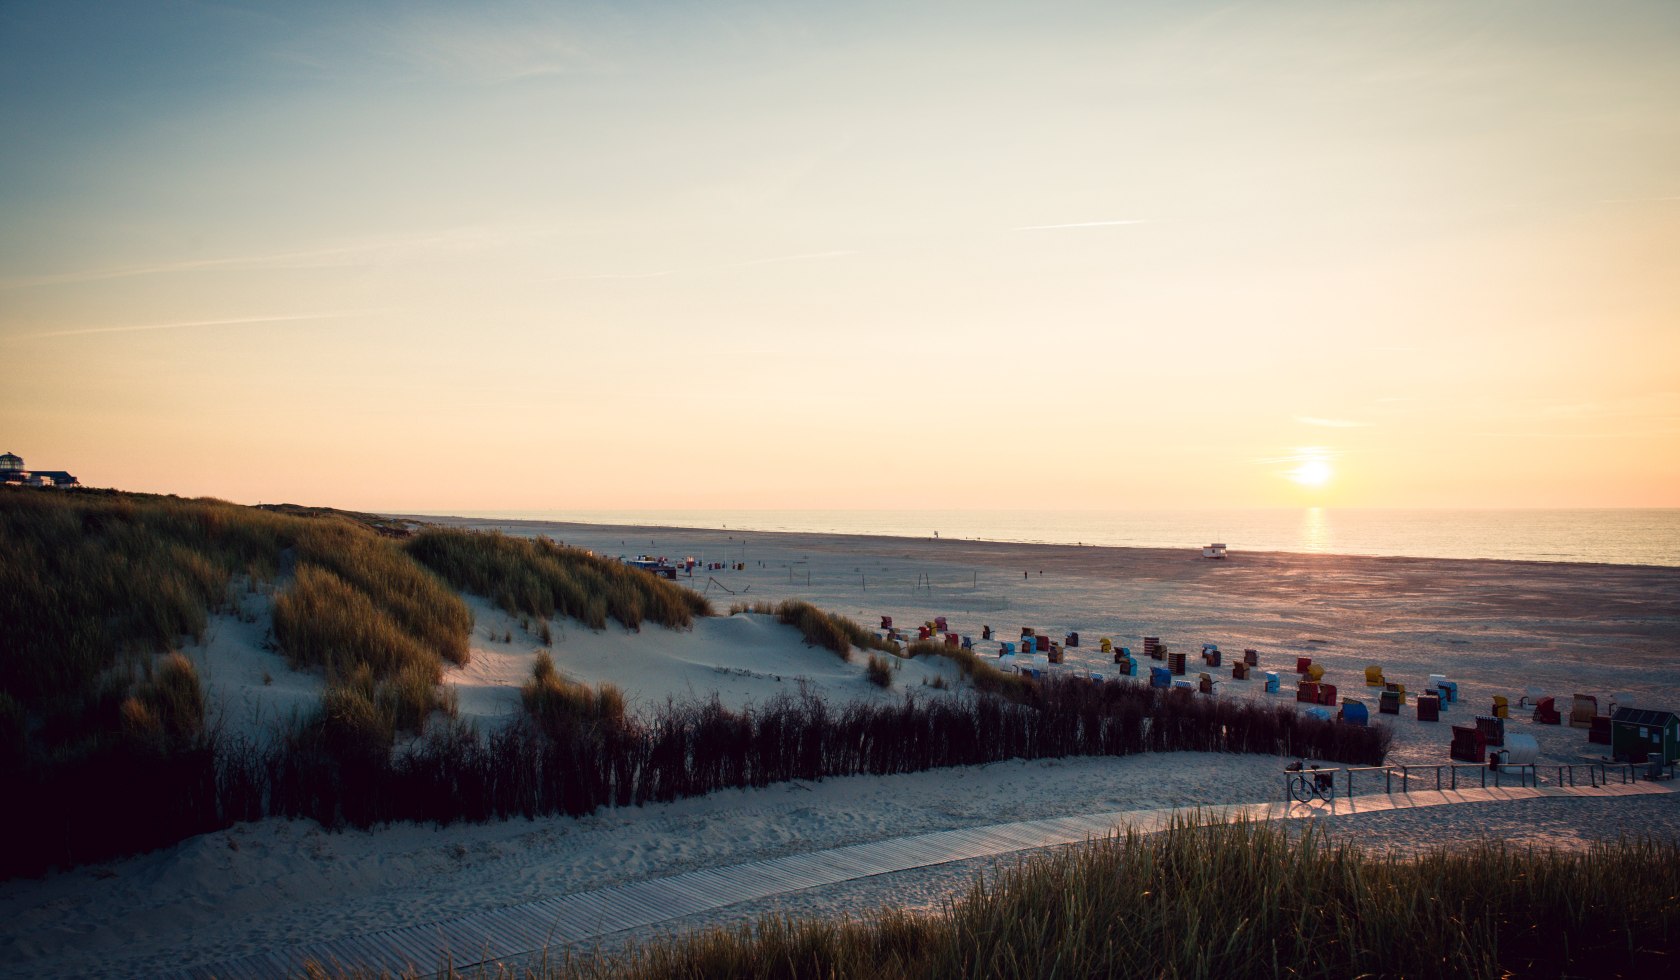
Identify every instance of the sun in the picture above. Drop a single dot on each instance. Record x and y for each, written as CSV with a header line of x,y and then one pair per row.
x,y
1312,473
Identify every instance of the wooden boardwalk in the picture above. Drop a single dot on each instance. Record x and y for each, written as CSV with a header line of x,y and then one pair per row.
x,y
513,933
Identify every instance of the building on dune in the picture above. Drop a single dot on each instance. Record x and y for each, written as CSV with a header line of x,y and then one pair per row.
x,y
12,471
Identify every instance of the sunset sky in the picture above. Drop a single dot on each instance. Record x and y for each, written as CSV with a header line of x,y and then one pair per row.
x,y
817,255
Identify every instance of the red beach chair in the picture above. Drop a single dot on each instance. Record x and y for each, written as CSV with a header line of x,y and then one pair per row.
x,y
1302,664
1546,712
1468,745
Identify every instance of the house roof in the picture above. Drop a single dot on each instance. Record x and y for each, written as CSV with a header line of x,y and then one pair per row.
x,y
1644,716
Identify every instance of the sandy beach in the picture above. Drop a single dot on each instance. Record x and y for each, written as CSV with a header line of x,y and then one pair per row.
x,y
1494,627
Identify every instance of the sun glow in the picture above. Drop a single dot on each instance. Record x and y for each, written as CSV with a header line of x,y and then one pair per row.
x,y
1313,471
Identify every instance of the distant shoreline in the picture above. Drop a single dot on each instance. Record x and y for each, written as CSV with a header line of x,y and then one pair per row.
x,y
1237,553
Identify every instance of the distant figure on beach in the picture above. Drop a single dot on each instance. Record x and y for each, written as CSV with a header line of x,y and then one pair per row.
x,y
936,535
1023,574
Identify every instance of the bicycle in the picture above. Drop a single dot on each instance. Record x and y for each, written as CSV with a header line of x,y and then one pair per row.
x,y
1310,784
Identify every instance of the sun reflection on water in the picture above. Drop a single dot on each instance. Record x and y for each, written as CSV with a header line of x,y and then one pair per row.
x,y
1315,530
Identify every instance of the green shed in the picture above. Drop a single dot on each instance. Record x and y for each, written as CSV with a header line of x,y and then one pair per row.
x,y
1638,733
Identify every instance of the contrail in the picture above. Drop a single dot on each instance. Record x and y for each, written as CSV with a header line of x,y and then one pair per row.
x,y
183,324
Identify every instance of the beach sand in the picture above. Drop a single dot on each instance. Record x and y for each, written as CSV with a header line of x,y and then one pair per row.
x,y
1495,627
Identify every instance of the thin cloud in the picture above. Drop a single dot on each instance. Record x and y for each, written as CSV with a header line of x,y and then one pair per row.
x,y
186,324
1303,454
1331,423
801,257
612,275
359,253
1085,224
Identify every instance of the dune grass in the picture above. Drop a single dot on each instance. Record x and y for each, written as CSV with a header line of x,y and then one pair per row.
x,y
96,585
878,670
831,631
537,577
979,671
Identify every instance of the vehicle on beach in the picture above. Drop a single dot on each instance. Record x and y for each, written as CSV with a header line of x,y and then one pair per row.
x,y
659,567
1214,551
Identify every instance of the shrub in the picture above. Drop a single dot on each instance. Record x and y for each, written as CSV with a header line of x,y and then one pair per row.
x,y
878,670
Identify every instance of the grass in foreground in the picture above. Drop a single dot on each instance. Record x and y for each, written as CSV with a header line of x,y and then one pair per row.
x,y
1240,900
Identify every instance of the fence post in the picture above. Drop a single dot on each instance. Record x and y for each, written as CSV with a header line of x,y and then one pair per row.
x,y
1388,780
1437,779
1484,775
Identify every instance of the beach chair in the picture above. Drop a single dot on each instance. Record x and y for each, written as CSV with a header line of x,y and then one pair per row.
x,y
1153,649
1546,713
1206,683
1301,664
1393,688
1273,685
1251,657
1239,671
1327,695
1042,641
1354,713
953,640
1211,655
1315,672
1501,706
1127,666
1307,692
1071,640
1006,647
1492,729
1468,745
1026,632
985,632
1175,663
1374,676
923,633
886,622
1389,703
1322,714
1429,707
1583,711
1055,653
968,643
1449,693
1106,644
939,624
1160,677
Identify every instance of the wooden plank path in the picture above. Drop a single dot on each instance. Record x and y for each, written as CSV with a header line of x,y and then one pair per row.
x,y
516,932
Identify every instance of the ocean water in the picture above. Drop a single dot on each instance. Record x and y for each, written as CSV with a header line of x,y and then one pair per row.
x,y
1622,537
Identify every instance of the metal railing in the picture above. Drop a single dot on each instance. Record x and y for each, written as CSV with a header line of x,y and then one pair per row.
x,y
1448,776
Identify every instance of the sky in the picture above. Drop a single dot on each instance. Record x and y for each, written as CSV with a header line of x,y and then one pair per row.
x,y
1110,256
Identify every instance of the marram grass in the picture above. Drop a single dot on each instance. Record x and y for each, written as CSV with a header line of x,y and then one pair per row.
x,y
1218,901
831,631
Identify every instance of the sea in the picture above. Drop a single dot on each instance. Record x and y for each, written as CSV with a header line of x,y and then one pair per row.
x,y
1618,537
